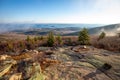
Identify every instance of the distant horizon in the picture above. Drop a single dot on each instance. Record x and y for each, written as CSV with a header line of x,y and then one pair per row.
x,y
6,27
26,26
54,23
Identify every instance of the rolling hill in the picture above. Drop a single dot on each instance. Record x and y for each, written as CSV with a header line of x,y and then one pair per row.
x,y
63,29
110,30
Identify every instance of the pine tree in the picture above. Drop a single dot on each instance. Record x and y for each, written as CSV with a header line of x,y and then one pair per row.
x,y
22,45
35,39
83,37
28,38
50,40
101,36
59,39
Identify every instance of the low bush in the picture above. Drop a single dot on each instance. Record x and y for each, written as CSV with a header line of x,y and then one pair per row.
x,y
108,43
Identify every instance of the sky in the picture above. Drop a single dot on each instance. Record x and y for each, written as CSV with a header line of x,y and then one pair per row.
x,y
60,11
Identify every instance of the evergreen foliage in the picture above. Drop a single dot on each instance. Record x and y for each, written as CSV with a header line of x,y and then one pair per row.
x,y
101,36
83,37
59,39
50,41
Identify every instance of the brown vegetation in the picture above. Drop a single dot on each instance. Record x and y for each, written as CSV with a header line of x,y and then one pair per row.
x,y
32,42
108,43
17,46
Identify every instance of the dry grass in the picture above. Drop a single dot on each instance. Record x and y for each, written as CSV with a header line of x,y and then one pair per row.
x,y
108,43
16,42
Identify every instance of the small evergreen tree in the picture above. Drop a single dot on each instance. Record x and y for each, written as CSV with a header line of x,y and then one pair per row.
x,y
101,36
59,39
50,40
28,38
22,45
83,37
35,38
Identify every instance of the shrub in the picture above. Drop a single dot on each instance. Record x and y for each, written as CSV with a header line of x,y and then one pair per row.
x,y
28,38
111,43
83,37
35,38
41,38
22,44
59,40
101,36
50,41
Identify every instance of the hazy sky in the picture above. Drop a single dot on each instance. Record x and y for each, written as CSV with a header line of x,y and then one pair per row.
x,y
60,11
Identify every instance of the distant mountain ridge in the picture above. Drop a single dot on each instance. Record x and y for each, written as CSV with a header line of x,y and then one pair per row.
x,y
110,30
63,29
10,26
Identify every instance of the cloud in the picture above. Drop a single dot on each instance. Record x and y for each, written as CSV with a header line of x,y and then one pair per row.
x,y
107,8
100,11
105,11
93,11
